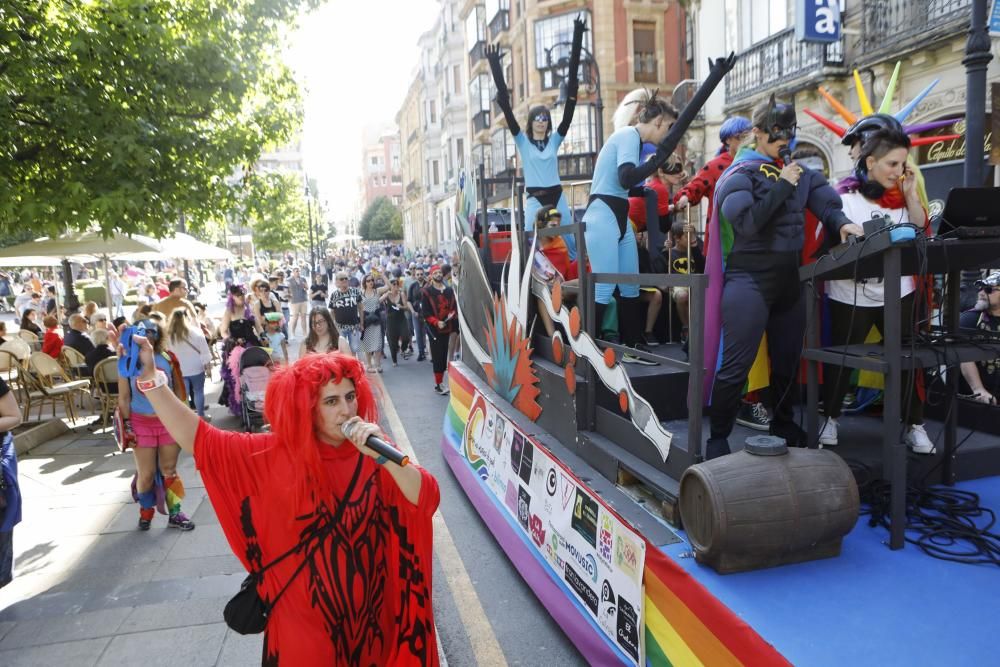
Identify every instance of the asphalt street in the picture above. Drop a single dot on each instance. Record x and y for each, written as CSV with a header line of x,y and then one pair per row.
x,y
521,626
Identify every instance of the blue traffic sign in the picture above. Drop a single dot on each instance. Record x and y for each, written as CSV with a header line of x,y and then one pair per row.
x,y
817,21
995,19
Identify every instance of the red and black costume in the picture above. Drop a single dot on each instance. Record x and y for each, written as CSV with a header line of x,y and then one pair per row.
x,y
439,305
364,597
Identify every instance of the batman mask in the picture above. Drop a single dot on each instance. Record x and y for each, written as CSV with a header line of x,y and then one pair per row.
x,y
780,122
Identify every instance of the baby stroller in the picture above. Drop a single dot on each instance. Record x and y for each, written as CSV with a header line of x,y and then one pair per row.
x,y
255,372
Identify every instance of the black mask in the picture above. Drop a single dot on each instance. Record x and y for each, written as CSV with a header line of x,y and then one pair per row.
x,y
781,122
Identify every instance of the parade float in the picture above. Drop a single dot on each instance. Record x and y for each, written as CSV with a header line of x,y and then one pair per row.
x,y
590,475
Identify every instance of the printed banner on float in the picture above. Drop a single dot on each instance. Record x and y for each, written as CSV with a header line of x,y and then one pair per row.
x,y
594,554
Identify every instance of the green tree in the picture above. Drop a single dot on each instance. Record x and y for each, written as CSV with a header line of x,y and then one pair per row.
x,y
274,207
381,220
122,113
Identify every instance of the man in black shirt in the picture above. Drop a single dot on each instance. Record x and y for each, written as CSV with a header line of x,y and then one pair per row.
x,y
983,377
77,337
318,291
345,305
415,295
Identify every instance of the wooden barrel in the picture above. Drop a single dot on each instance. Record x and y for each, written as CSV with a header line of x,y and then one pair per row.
x,y
748,511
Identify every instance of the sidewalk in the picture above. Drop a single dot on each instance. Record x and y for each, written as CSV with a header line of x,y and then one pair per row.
x,y
90,589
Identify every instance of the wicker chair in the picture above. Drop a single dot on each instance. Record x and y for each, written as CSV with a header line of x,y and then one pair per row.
x,y
18,347
30,338
10,369
76,367
106,387
46,381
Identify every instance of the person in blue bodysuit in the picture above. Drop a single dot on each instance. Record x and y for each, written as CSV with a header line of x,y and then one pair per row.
x,y
757,232
610,240
618,169
539,148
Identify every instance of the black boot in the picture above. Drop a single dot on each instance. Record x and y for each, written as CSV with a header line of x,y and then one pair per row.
x,y
599,310
716,447
785,393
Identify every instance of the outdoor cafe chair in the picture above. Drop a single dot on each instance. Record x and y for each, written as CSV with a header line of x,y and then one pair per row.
x,y
18,347
47,382
106,387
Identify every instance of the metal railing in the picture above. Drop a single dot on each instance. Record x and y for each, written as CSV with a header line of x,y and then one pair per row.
x,y
477,53
499,23
481,121
900,25
777,61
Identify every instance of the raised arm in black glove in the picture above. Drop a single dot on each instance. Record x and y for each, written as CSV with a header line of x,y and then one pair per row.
x,y
503,95
573,83
630,175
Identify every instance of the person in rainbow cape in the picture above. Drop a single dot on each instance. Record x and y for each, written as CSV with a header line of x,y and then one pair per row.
x,y
757,234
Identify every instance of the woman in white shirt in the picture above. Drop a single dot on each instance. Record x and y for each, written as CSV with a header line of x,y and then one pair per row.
x,y
187,342
884,183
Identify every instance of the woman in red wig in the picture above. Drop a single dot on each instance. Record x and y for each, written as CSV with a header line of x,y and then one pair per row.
x,y
362,523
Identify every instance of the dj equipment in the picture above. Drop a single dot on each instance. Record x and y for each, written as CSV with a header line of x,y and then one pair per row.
x,y
878,255
971,213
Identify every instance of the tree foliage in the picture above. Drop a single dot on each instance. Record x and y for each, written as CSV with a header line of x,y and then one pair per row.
x,y
122,113
274,207
381,220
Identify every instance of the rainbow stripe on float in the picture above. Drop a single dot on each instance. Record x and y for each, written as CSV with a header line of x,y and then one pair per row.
x,y
684,623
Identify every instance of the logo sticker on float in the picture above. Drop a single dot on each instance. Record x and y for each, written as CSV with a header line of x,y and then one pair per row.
x,y
585,517
597,558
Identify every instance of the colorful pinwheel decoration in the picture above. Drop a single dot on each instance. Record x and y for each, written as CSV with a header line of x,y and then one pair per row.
x,y
867,110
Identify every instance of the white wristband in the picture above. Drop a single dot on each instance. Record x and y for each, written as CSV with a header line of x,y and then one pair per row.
x,y
159,380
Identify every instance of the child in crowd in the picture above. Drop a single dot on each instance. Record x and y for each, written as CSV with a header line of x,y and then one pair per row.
x,y
276,340
52,342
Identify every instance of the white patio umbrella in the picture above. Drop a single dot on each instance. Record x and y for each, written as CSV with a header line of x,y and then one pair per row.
x,y
182,246
77,244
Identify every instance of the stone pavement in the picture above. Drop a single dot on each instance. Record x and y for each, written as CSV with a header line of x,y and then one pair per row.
x,y
90,589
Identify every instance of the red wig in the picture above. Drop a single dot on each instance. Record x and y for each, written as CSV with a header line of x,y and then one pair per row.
x,y
290,404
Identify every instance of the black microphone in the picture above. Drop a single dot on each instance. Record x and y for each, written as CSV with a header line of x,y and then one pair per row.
x,y
378,445
785,154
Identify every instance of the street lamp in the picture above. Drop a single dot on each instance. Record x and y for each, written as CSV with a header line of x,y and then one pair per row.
x,y
312,249
586,58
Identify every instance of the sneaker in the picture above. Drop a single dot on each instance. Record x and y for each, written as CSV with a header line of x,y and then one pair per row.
x,y
421,357
441,389
145,519
828,436
753,415
180,521
649,340
916,438
629,358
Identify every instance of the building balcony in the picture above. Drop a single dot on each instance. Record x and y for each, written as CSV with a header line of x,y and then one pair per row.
x,y
477,53
778,61
480,121
895,27
499,23
413,189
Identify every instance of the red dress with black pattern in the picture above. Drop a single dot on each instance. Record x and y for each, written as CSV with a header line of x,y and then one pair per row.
x,y
364,597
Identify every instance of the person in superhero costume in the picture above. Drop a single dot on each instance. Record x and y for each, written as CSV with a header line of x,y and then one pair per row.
x,y
757,236
539,148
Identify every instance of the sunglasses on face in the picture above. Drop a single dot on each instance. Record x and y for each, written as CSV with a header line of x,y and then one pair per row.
x,y
541,118
987,289
672,169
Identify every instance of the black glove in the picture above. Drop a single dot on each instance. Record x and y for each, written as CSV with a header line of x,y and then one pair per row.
x,y
579,27
493,57
719,69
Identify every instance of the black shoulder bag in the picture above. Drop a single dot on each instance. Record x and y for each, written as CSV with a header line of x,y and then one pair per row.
x,y
247,612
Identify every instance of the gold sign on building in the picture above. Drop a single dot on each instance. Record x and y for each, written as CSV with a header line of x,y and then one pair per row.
x,y
952,149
